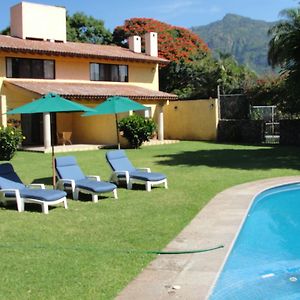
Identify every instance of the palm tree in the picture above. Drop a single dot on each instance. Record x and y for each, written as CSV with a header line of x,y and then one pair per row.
x,y
284,51
284,46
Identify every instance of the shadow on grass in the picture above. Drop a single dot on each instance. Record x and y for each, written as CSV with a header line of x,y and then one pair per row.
x,y
31,207
45,180
248,159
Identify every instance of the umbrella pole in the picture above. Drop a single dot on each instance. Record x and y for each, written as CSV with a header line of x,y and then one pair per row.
x,y
118,135
52,152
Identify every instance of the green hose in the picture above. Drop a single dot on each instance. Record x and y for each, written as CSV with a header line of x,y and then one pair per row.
x,y
86,249
185,251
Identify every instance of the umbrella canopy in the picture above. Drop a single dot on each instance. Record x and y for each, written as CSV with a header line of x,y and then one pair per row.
x,y
115,105
50,103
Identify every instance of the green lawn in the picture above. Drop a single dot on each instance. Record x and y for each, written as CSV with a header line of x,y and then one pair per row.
x,y
81,253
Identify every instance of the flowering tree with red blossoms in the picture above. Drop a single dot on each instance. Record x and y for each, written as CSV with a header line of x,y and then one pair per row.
x,y
174,43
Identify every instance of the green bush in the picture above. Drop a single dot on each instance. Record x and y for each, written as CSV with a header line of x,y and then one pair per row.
x,y
10,139
137,129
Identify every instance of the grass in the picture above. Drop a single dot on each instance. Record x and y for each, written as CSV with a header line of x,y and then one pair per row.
x,y
80,253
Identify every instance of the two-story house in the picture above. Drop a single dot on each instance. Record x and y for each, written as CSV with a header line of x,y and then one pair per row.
x,y
37,59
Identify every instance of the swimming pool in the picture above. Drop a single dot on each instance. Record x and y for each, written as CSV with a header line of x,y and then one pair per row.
x,y
264,262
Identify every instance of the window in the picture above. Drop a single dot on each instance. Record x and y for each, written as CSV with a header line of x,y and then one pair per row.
x,y
107,72
29,68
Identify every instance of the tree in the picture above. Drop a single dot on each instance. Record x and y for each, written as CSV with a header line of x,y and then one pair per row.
x,y
86,29
200,77
5,31
233,76
284,51
174,43
191,79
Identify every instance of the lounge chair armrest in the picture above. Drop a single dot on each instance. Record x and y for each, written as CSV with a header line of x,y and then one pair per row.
x,y
60,183
36,185
15,191
96,177
121,172
115,174
148,170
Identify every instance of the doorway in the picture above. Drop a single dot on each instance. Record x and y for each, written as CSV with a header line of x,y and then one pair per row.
x,y
32,129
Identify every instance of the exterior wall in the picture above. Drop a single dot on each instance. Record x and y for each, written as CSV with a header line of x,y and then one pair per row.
x,y
16,97
78,69
191,120
94,129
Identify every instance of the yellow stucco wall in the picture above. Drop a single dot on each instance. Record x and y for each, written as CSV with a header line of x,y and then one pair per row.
x,y
191,120
78,69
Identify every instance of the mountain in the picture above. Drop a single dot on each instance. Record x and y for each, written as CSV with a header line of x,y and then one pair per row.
x,y
246,39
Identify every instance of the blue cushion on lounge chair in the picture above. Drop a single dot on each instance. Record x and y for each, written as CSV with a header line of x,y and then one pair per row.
x,y
95,186
119,161
41,194
66,167
152,176
8,178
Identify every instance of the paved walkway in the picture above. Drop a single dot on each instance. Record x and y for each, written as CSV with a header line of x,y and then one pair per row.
x,y
191,276
87,147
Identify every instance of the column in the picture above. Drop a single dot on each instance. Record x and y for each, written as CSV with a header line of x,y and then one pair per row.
x,y
47,130
160,122
3,110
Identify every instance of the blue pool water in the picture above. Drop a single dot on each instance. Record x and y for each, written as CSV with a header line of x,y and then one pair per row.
x,y
265,260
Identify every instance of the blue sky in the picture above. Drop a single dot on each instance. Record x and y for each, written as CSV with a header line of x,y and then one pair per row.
x,y
185,13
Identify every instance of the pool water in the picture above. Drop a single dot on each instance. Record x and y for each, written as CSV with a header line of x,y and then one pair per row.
x,y
264,262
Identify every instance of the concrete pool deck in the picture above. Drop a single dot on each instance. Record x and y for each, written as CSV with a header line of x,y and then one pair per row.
x,y
192,276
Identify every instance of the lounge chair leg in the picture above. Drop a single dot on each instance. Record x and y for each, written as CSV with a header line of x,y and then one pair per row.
x,y
148,186
129,185
95,198
115,193
75,194
45,208
65,203
166,184
20,205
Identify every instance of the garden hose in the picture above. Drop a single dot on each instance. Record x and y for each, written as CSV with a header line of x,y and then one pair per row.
x,y
110,251
183,251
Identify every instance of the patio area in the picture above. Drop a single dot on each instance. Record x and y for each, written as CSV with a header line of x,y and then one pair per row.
x,y
88,147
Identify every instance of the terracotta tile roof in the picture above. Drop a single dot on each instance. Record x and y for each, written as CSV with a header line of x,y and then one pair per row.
x,y
12,44
90,90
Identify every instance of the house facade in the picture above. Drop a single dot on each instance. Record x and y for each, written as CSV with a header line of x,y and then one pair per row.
x,y
37,59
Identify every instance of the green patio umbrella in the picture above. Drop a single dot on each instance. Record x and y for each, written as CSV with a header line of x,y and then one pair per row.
x,y
50,103
115,105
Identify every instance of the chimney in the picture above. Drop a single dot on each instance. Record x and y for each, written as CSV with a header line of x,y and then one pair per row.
x,y
38,21
151,44
134,43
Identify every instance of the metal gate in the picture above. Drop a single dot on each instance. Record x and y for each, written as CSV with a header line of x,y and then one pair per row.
x,y
269,115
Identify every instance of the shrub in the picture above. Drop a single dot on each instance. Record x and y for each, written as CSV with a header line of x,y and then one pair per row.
x,y
10,139
137,129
